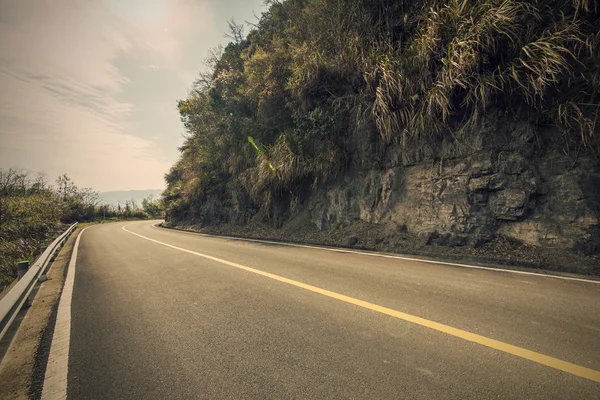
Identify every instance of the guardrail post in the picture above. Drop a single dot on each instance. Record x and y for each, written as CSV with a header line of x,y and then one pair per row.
x,y
55,253
22,267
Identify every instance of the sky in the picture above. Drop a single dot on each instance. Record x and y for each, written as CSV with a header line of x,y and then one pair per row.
x,y
89,87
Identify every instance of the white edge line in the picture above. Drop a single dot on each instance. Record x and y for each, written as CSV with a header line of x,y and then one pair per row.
x,y
521,352
386,256
57,368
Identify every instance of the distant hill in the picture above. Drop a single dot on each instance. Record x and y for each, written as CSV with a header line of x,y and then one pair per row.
x,y
120,196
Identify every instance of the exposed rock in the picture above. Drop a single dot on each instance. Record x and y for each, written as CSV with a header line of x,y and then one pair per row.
x,y
509,204
461,193
470,200
352,240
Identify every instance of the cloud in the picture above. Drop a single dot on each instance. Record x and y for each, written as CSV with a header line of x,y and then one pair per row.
x,y
89,87
40,133
151,67
59,107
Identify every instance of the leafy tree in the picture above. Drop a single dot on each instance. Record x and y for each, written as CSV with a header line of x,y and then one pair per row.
x,y
79,203
152,207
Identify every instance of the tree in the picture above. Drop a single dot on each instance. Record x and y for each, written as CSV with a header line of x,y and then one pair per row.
x,y
65,187
152,207
79,203
236,31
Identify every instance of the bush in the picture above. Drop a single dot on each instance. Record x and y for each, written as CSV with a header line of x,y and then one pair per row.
x,y
29,217
33,213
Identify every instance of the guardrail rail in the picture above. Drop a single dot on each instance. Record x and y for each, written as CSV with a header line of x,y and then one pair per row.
x,y
13,301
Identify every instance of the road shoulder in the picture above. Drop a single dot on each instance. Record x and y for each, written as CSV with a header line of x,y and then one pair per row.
x,y
23,366
442,259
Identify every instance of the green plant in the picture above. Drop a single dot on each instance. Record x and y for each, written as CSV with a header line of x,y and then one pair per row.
x,y
281,110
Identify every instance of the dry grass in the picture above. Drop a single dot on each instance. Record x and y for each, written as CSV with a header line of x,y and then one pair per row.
x,y
409,73
470,55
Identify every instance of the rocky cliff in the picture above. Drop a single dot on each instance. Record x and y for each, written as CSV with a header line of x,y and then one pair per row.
x,y
496,183
470,196
413,126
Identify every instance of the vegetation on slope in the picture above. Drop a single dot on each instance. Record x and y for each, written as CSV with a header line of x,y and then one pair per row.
x,y
33,213
287,107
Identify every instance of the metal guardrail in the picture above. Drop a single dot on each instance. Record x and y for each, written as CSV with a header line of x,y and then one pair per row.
x,y
11,304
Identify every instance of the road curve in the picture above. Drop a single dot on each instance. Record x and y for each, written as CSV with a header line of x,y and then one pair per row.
x,y
161,314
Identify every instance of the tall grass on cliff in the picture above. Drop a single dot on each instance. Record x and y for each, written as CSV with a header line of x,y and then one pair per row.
x,y
536,59
316,81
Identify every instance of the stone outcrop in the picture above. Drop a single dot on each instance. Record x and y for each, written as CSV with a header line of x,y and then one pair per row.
x,y
496,181
469,201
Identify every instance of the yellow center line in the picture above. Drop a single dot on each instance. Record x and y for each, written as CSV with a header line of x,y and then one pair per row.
x,y
539,358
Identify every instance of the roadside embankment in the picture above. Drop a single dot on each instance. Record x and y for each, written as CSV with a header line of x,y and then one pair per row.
x,y
27,345
501,252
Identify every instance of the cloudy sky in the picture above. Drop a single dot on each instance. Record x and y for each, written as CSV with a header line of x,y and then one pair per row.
x,y
89,87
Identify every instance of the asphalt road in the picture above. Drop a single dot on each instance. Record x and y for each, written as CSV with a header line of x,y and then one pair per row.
x,y
156,321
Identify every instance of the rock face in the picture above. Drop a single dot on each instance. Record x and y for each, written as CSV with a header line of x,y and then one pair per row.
x,y
469,201
495,182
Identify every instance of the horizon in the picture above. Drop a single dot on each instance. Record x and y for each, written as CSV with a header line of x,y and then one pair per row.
x,y
132,190
95,97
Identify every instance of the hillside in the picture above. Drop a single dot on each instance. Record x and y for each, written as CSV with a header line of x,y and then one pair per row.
x,y
33,213
433,127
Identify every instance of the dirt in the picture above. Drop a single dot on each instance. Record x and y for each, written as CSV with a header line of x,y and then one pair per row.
x,y
23,366
501,252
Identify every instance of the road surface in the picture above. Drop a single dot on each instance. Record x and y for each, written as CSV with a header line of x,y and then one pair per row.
x,y
162,314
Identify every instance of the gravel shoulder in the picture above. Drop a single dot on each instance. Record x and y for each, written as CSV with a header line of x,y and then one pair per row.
x,y
24,363
500,252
